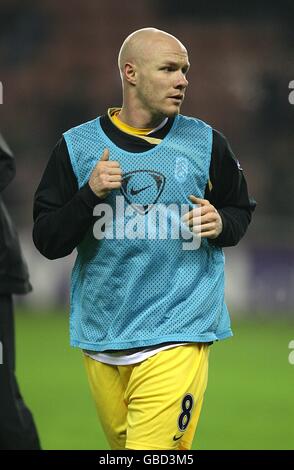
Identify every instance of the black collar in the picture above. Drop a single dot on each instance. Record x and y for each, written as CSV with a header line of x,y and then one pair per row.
x,y
128,142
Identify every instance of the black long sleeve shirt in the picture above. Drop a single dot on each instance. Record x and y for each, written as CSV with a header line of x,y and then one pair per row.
x,y
63,213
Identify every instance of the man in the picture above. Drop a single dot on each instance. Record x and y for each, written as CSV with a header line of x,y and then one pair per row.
x,y
144,309
17,427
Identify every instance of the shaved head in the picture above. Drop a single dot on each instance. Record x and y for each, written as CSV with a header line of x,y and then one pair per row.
x,y
142,44
153,66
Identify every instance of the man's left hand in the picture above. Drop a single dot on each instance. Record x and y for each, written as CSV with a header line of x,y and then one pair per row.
x,y
203,220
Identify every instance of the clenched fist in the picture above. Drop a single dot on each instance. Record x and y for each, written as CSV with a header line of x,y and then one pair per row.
x,y
204,220
107,175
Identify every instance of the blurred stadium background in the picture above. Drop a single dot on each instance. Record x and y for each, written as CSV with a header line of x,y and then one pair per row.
x,y
58,69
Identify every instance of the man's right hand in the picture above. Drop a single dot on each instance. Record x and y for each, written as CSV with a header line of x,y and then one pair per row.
x,y
107,175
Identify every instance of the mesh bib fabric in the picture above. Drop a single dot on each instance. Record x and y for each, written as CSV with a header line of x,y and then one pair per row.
x,y
137,285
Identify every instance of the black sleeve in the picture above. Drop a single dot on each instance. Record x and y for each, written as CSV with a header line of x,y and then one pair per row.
x,y
228,193
7,165
62,213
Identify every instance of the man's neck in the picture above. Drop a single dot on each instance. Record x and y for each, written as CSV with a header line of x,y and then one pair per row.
x,y
140,119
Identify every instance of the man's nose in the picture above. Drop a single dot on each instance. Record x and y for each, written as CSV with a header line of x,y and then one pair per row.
x,y
182,81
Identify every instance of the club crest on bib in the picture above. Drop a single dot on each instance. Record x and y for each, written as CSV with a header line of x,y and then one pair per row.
x,y
142,188
181,169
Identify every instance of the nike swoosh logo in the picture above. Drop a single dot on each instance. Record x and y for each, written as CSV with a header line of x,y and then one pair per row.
x,y
177,438
137,191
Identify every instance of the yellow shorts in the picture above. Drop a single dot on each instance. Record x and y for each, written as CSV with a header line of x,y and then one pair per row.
x,y
154,404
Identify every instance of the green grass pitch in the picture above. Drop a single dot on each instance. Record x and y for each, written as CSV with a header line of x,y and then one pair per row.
x,y
249,402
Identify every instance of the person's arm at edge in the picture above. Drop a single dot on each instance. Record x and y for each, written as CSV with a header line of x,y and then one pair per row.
x,y
62,213
7,164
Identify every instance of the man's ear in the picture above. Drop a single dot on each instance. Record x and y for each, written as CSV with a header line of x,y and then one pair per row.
x,y
131,73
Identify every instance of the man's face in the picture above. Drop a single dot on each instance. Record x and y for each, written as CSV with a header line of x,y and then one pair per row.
x,y
161,78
